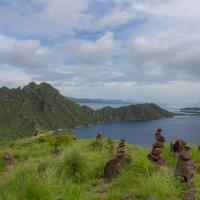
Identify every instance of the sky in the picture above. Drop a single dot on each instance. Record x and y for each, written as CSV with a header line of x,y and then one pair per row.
x,y
141,50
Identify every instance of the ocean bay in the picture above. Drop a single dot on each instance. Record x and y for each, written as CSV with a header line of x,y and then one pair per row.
x,y
142,132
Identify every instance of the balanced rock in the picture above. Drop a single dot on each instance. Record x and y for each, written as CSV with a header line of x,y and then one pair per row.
x,y
177,146
185,165
158,146
98,136
97,140
110,144
113,166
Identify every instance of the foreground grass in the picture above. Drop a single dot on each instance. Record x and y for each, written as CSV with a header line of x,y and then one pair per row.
x,y
75,173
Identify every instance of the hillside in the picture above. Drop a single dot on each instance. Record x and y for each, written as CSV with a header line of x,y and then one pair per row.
x,y
22,110
42,106
75,173
148,111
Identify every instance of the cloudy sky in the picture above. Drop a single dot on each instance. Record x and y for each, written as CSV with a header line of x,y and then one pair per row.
x,y
143,50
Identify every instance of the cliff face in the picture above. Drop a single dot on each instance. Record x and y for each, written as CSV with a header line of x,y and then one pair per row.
x,y
23,110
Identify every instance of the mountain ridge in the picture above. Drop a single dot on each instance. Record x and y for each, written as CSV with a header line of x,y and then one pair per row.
x,y
22,110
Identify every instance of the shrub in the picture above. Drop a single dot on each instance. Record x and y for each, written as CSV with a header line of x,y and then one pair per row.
x,y
72,166
56,140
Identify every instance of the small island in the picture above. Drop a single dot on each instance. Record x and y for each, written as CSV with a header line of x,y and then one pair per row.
x,y
191,111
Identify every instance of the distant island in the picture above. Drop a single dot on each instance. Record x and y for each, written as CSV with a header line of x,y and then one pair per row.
x,y
22,110
103,101
191,111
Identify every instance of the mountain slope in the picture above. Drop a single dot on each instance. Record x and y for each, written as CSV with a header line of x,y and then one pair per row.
x,y
22,110
42,106
147,111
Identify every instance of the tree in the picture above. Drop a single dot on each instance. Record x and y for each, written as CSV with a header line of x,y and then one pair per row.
x,y
57,138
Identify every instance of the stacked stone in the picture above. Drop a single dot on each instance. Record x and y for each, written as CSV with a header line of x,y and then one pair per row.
x,y
185,165
113,166
97,139
177,146
110,144
121,149
157,148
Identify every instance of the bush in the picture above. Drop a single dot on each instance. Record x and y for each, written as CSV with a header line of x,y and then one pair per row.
x,y
56,140
72,166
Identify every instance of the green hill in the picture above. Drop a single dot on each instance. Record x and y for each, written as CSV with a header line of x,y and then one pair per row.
x,y
22,110
147,111
42,106
75,173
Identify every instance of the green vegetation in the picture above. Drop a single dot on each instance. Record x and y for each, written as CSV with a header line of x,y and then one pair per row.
x,y
37,106
75,173
147,111
41,106
56,140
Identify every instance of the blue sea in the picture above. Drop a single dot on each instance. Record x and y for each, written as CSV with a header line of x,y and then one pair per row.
x,y
142,132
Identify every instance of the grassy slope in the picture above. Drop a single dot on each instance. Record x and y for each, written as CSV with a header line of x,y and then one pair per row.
x,y
75,173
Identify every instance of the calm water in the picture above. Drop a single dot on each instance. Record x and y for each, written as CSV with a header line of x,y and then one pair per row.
x,y
142,132
173,107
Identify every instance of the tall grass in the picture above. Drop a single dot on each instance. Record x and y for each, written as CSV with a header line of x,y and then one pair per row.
x,y
72,166
76,174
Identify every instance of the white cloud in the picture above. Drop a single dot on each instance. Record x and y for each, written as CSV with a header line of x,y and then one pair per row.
x,y
14,77
43,16
97,52
165,58
133,47
115,18
24,53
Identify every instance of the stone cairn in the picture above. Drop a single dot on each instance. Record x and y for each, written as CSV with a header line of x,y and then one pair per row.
x,y
97,140
158,146
110,144
177,146
121,149
113,166
185,165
